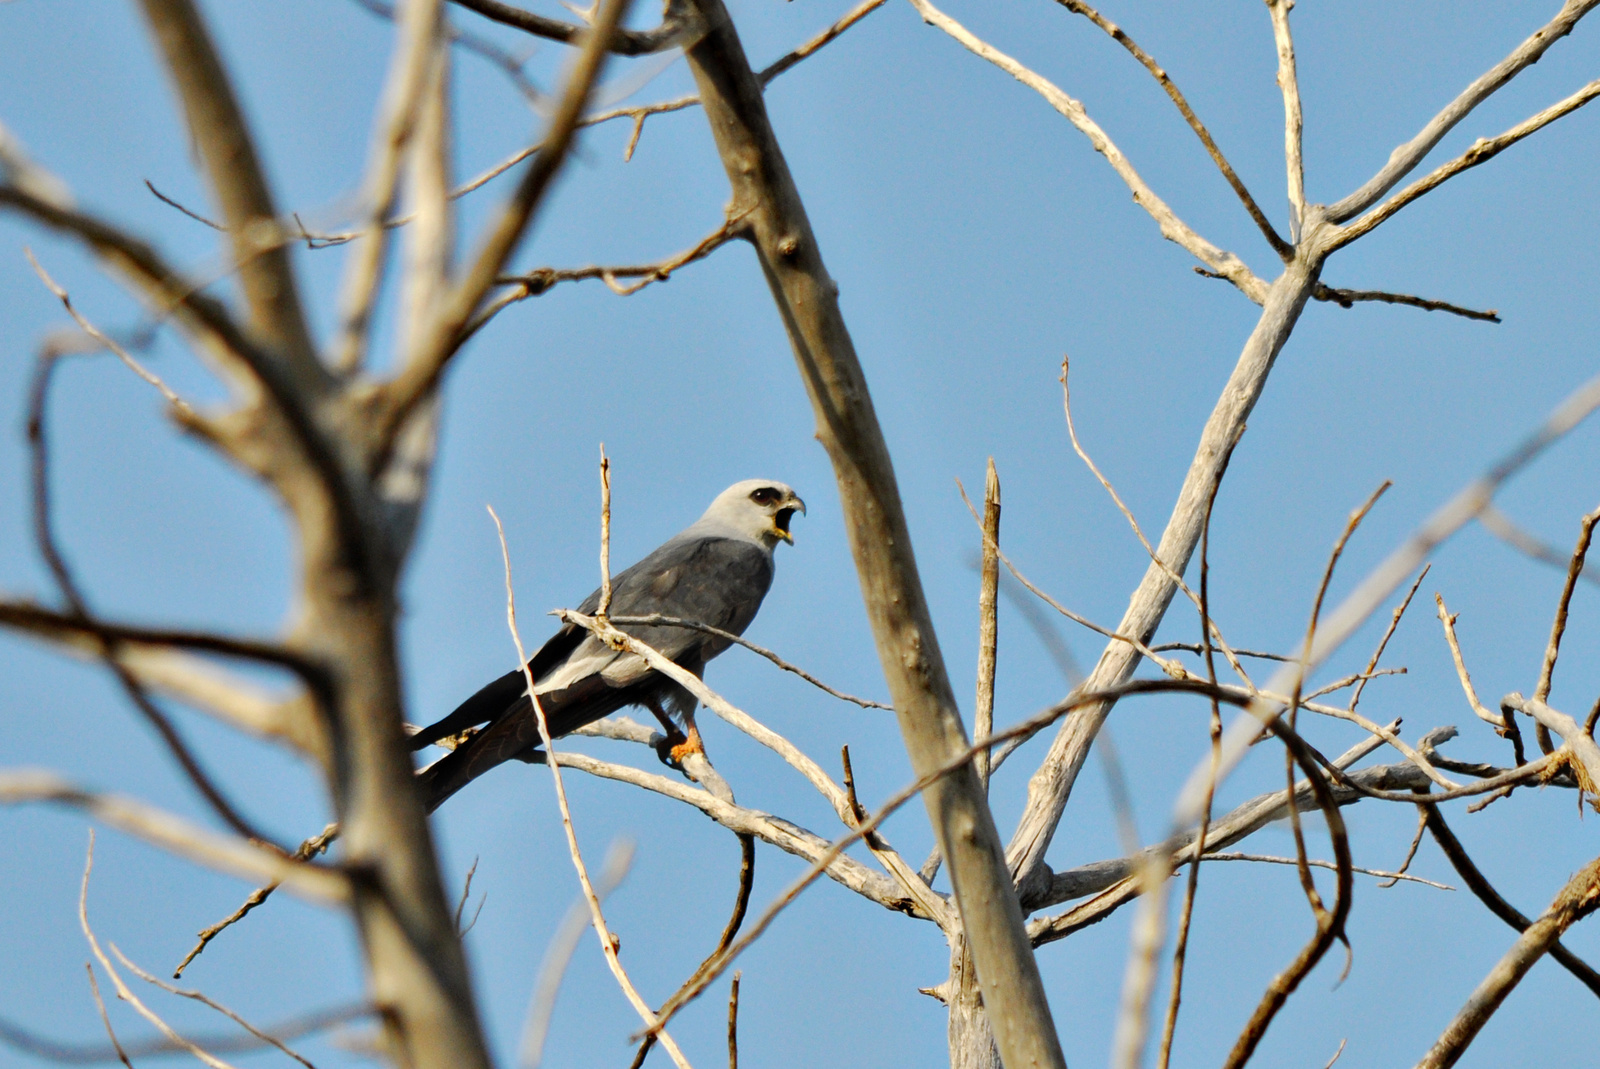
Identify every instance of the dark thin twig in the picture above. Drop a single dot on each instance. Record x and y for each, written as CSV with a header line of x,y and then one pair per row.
x,y
1411,851
1198,648
45,539
733,1021
1480,886
1279,246
1330,924
741,904
623,42
1348,298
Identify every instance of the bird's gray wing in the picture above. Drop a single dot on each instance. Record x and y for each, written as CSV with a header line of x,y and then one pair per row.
x,y
716,581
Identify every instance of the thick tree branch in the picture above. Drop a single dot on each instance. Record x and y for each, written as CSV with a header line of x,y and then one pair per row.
x,y
431,352
223,140
847,425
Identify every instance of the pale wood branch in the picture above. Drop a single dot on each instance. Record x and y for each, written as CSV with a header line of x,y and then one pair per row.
x,y
1293,122
225,853
1482,150
1406,157
1172,228
847,425
1579,898
1370,593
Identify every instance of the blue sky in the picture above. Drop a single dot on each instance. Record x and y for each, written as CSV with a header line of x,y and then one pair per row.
x,y
977,239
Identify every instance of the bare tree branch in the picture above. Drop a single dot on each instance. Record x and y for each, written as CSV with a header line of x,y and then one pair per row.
x,y
847,425
1279,246
225,853
1348,298
623,42
1289,83
1406,157
1172,228
1482,150
1579,898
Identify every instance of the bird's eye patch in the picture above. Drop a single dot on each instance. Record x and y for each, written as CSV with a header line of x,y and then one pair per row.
x,y
766,495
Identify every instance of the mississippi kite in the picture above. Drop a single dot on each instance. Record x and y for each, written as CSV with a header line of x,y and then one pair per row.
x,y
714,572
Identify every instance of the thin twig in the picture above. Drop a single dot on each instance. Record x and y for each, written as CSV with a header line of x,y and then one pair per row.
x,y
205,1000
608,943
1558,627
1172,228
123,992
1348,298
1501,526
988,626
1482,150
1279,246
105,1018
1448,620
658,620
1389,878
1383,643
317,844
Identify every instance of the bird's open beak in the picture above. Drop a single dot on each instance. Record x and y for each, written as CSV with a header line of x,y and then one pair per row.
x,y
780,519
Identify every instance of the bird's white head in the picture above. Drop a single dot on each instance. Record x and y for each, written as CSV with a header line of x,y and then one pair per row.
x,y
756,509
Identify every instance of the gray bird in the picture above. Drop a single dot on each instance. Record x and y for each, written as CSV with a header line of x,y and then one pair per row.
x,y
714,572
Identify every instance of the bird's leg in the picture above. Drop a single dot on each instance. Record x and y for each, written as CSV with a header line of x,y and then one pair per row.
x,y
692,743
668,747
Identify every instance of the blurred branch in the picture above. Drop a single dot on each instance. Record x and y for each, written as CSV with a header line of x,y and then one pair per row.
x,y
1502,527
623,42
224,853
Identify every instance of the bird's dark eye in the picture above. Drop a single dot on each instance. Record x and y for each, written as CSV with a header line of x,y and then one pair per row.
x,y
766,495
